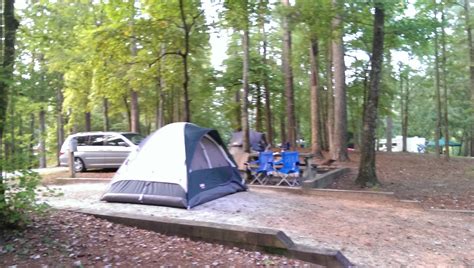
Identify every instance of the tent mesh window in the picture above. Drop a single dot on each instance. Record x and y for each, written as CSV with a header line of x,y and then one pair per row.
x,y
208,155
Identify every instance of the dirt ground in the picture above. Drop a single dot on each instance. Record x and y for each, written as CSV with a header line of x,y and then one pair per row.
x,y
434,182
66,239
372,230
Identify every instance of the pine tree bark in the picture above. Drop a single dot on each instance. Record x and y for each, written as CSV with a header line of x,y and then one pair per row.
x,y
340,110
405,114
389,133
288,73
237,114
403,106
445,87
245,91
367,173
315,103
127,112
266,84
42,138
59,122
283,130
134,109
330,100
135,114
323,115
13,150
32,140
105,103
87,120
437,93
7,43
258,108
471,68
187,27
159,118
161,83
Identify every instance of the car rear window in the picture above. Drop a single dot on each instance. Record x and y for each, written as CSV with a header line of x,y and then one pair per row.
x,y
134,137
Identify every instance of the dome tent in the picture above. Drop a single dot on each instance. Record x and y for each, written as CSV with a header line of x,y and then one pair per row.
x,y
179,165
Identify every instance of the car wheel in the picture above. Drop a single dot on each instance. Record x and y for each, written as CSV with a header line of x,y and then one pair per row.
x,y
79,165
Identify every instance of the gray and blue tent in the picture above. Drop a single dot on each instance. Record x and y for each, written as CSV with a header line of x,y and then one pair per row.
x,y
180,165
257,140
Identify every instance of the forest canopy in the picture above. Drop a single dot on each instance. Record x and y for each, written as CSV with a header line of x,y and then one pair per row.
x,y
297,70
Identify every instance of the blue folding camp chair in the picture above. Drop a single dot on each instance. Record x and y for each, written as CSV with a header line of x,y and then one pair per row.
x,y
290,168
265,167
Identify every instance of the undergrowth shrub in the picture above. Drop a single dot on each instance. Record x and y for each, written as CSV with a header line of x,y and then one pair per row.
x,y
18,201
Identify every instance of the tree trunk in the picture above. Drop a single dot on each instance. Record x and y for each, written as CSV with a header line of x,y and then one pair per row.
x,y
445,87
87,119
10,24
340,113
184,55
266,87
288,72
389,133
402,106
237,114
245,93
437,94
258,109
13,150
128,113
405,114
330,100
31,140
135,120
3,101
471,69
42,138
134,109
268,113
323,115
367,174
176,106
59,122
159,121
315,133
105,102
283,130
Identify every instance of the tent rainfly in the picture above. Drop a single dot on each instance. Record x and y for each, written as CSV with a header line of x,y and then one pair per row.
x,y
257,140
179,165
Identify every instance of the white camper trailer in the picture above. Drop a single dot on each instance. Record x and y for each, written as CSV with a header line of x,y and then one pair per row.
x,y
414,144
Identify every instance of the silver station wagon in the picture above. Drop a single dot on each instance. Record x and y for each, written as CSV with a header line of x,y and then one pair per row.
x,y
99,149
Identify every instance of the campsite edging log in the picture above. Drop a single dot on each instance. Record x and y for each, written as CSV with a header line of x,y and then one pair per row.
x,y
269,240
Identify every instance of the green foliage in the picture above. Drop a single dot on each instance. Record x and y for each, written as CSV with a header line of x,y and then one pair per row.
x,y
82,50
19,199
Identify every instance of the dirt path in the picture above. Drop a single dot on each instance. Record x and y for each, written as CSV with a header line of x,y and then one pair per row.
x,y
375,231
